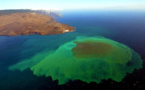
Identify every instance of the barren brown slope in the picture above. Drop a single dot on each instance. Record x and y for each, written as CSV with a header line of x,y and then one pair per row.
x,y
31,23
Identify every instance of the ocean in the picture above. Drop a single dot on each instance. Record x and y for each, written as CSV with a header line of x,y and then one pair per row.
x,y
126,27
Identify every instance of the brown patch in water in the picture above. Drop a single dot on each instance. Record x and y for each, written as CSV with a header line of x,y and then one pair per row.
x,y
87,49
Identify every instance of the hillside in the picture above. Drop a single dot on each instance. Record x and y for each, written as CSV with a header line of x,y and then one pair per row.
x,y
27,23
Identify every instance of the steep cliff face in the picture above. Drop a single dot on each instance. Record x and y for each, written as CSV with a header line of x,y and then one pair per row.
x,y
47,12
31,23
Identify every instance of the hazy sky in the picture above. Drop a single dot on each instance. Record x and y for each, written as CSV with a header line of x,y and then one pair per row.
x,y
72,4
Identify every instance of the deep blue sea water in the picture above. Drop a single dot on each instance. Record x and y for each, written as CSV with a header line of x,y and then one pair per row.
x,y
127,27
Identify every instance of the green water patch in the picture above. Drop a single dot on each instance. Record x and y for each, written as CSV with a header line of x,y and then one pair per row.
x,y
38,43
66,63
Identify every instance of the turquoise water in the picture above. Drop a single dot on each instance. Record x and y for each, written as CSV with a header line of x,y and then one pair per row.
x,y
127,27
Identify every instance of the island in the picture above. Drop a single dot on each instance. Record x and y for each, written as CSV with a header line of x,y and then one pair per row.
x,y
29,23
